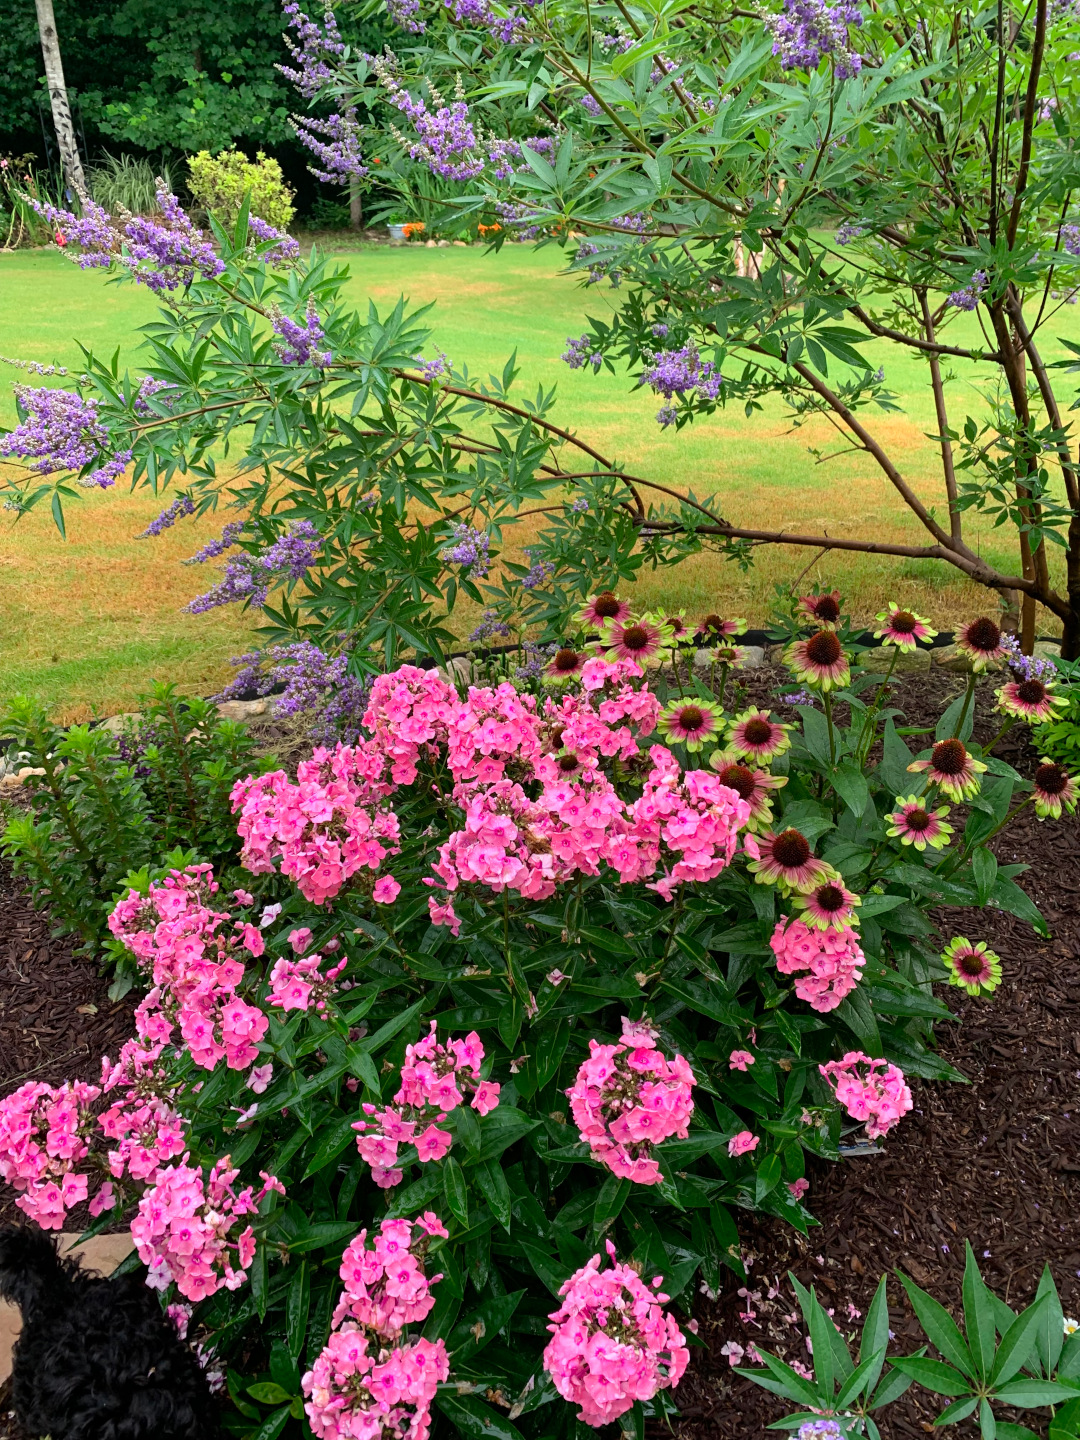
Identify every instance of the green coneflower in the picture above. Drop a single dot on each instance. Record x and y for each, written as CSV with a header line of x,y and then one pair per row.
x,y
902,628
820,661
952,767
975,968
690,722
914,824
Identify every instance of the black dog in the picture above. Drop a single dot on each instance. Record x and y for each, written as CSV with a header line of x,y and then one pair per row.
x,y
96,1359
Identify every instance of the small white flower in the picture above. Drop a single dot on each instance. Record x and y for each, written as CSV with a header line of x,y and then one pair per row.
x,y
1071,1326
269,915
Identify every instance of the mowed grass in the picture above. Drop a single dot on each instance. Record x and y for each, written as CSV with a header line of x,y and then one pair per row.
x,y
87,621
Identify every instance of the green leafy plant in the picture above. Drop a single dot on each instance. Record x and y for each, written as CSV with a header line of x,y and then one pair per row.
x,y
110,804
220,182
999,1358
128,182
1059,738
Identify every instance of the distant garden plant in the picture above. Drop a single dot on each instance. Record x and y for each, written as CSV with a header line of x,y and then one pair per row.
x,y
220,184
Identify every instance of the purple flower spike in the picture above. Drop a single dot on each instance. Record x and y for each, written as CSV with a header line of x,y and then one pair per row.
x,y
808,30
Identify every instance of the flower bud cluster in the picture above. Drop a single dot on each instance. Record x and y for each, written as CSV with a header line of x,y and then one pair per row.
x,y
627,1098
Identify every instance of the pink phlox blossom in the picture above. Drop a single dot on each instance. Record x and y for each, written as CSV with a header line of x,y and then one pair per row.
x,y
833,958
740,1060
435,1079
409,715
743,1143
612,1343
385,1286
333,821
873,1091
45,1132
301,985
627,1098
355,1395
187,1228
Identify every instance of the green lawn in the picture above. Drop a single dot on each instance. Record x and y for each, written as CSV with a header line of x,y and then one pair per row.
x,y
84,623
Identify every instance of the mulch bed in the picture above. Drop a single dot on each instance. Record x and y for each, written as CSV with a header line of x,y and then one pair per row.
x,y
994,1162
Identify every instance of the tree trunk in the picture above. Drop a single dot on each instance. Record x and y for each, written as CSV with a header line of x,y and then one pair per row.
x,y
61,111
356,210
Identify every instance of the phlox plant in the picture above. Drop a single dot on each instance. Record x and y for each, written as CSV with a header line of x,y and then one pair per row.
x,y
506,968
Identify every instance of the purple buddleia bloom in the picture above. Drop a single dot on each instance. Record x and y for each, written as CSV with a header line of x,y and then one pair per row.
x,y
250,577
251,678
335,143
536,658
1070,239
468,547
591,106
798,697
33,367
809,30
635,224
666,415
284,246
580,506
314,50
582,352
850,230
148,387
489,628
300,342
682,373
437,369
213,548
94,231
445,140
404,13
660,330
1027,667
181,506
540,574
61,430
968,298
165,253
108,474
317,685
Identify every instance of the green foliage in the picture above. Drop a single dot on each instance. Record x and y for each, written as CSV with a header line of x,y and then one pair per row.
x,y
108,805
998,1359
220,184
1059,739
124,182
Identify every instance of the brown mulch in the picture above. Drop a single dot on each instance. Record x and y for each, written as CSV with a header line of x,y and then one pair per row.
x,y
994,1162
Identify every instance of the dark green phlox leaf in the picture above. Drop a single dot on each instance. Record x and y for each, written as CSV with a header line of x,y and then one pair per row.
x,y
780,1379
978,1314
1050,1331
1028,1394
284,1370
1018,1342
550,1049
509,1021
467,1128
320,1233
940,1329
610,941
386,1032
273,1426
491,1182
500,1128
455,1190
297,1305
267,1393
333,1141
549,1268
767,1178
258,1276
475,1418
481,1325
538,1390
934,1375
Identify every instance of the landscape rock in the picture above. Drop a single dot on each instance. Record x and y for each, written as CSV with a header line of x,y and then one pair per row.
x,y
245,710
753,656
908,662
16,779
1047,649
116,724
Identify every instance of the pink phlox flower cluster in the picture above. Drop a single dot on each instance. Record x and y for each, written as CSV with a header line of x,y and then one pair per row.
x,y
832,958
627,1098
148,1133
435,1079
300,984
409,715
354,1394
386,1287
44,1132
869,1090
612,1343
331,823
185,1228
195,968
687,822
489,729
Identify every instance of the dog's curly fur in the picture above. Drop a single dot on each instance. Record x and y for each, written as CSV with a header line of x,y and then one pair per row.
x,y
96,1359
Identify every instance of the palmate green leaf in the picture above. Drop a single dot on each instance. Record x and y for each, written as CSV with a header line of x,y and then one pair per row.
x,y
875,1333
978,1314
1065,1423
1019,1341
934,1375
780,1379
957,1411
940,1329
1050,1331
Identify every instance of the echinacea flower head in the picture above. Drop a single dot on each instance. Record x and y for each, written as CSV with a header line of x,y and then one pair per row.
x,y
681,633
712,628
975,968
636,638
953,768
982,639
749,784
821,610
754,734
828,905
902,628
915,824
787,859
819,661
690,722
599,609
1055,790
1031,700
563,666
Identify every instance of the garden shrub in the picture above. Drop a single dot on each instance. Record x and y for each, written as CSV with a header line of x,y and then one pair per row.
x,y
109,804
1059,737
220,183
526,994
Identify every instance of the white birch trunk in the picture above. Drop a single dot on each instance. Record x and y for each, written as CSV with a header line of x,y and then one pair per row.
x,y
58,98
